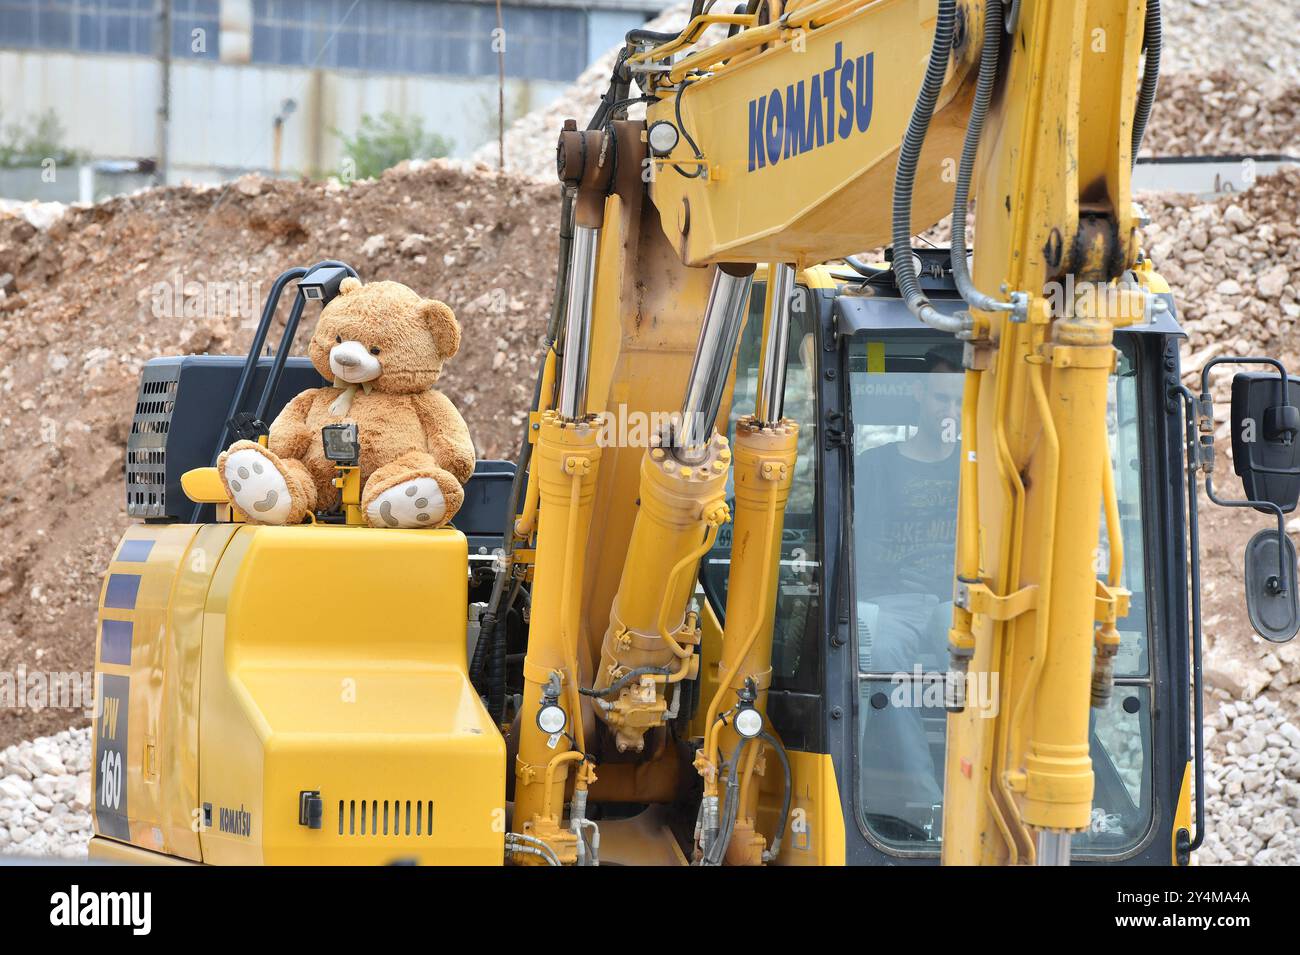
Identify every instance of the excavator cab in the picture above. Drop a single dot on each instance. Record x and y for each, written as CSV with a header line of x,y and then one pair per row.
x,y
864,599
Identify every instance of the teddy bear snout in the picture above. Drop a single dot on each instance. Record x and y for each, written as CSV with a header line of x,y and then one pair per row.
x,y
352,362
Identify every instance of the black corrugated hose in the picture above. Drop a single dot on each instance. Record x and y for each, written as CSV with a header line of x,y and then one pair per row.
x,y
988,72
909,155
1150,75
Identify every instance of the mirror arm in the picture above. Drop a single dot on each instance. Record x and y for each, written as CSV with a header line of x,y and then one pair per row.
x,y
1207,404
1280,589
1194,464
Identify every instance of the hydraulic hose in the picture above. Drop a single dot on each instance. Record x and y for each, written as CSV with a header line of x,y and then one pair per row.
x,y
863,267
1150,75
988,70
909,155
787,793
718,848
624,680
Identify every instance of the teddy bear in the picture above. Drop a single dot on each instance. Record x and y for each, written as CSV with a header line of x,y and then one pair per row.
x,y
383,346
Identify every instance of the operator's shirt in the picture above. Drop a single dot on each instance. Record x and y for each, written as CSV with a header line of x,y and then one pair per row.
x,y
906,523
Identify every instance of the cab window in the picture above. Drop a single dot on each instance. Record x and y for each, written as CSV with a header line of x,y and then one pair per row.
x,y
906,412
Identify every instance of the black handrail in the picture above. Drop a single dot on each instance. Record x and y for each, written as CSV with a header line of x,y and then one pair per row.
x,y
249,370
286,340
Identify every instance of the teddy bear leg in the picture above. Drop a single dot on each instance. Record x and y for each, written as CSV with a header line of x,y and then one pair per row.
x,y
267,489
411,492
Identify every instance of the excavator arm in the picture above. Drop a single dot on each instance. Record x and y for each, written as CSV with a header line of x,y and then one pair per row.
x,y
798,138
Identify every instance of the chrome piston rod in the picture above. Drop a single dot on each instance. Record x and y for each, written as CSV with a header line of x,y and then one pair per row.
x,y
575,342
1053,847
776,343
719,333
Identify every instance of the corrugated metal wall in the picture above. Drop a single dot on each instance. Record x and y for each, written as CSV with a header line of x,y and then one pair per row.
x,y
221,115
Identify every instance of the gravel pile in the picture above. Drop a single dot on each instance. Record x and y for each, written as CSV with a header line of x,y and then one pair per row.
x,y
1252,777
1258,39
45,796
1223,114
1234,265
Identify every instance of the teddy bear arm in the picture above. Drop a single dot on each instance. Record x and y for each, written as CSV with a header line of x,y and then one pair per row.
x,y
290,435
447,435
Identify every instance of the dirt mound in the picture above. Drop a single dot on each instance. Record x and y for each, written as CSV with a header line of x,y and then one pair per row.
x,y
89,300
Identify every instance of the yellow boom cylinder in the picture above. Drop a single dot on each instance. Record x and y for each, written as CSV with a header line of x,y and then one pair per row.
x,y
566,464
648,623
764,469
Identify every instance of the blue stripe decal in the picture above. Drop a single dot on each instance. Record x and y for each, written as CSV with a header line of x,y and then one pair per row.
x,y
122,590
135,551
115,642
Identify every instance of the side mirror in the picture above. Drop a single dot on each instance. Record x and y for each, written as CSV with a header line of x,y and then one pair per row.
x,y
1266,439
1272,602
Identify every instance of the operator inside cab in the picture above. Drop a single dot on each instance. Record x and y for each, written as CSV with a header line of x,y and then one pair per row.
x,y
905,524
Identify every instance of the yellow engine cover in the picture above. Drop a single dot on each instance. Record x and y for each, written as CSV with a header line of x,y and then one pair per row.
x,y
242,666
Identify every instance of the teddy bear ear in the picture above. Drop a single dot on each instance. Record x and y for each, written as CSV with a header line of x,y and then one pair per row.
x,y
349,285
443,324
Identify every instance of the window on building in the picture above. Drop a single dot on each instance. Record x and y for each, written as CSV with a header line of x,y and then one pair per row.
x,y
196,30
106,26
88,26
414,36
390,36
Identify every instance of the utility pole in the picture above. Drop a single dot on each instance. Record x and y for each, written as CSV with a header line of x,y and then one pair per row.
x,y
501,91
165,88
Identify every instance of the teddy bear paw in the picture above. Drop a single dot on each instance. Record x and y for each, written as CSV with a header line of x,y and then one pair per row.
x,y
257,487
415,503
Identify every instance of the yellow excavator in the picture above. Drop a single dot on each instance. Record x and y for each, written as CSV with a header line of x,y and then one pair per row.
x,y
806,559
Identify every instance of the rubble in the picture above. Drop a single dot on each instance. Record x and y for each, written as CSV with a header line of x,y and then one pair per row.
x,y
1259,38
1252,780
1223,113
45,795
1234,266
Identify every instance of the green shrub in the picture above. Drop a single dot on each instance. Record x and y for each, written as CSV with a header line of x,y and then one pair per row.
x,y
382,143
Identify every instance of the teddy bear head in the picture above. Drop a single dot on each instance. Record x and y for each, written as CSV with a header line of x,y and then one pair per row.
x,y
385,335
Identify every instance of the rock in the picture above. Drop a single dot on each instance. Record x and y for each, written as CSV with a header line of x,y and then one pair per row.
x,y
48,761
1236,216
1234,676
13,787
412,243
1272,282
81,795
